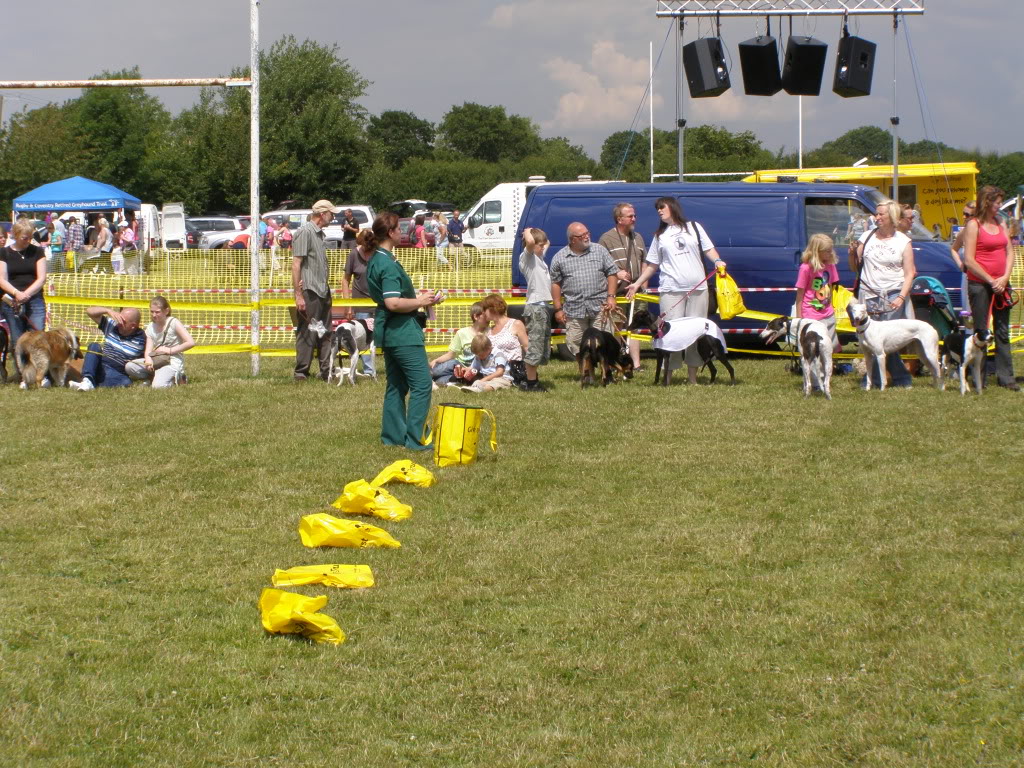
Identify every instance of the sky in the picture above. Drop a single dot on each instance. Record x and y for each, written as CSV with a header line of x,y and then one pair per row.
x,y
577,68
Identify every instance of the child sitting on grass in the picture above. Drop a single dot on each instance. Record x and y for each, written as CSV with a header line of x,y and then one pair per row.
x,y
489,369
459,351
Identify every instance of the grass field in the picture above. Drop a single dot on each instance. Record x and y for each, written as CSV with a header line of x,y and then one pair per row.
x,y
703,576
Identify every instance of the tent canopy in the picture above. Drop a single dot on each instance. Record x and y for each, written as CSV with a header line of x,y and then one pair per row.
x,y
76,194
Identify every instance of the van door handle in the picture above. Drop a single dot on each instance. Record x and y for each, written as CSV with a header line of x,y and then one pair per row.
x,y
501,229
796,257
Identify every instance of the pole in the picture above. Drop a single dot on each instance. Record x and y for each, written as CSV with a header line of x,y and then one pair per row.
x,y
895,120
650,99
800,132
680,122
254,181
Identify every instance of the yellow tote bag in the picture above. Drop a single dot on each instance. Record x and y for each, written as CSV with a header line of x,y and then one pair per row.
x,y
730,301
456,433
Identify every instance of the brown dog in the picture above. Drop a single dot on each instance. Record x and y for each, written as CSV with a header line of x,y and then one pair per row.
x,y
40,352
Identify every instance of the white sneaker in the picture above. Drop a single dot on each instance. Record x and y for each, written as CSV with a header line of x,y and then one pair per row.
x,y
46,384
453,385
81,386
23,385
434,386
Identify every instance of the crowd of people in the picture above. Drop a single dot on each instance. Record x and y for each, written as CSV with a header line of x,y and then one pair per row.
x,y
577,290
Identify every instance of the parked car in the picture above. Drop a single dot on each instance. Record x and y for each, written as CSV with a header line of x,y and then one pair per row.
x,y
406,226
295,217
216,230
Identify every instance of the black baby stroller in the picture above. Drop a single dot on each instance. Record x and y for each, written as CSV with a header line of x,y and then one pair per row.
x,y
931,303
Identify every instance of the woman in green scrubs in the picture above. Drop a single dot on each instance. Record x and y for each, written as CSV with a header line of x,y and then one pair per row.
x,y
397,330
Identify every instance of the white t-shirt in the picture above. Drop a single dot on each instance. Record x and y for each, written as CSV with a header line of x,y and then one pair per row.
x,y
883,263
676,253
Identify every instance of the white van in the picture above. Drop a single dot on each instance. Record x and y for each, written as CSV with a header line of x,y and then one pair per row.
x,y
492,222
172,226
149,227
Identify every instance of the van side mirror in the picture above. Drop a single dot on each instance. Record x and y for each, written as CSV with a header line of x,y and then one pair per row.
x,y
476,220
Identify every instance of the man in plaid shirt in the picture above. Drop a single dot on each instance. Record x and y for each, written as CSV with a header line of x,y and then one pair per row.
x,y
584,278
76,236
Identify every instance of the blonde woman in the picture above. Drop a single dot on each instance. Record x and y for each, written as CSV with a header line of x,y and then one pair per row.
x,y
885,261
165,335
104,238
814,281
440,236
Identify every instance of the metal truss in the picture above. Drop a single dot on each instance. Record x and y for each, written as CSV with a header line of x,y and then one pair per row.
x,y
723,8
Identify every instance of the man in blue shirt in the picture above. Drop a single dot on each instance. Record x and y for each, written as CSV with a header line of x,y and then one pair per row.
x,y
123,341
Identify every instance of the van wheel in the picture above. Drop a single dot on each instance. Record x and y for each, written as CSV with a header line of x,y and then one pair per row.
x,y
465,257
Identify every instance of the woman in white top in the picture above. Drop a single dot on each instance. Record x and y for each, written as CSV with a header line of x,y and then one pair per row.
x,y
165,335
885,259
678,250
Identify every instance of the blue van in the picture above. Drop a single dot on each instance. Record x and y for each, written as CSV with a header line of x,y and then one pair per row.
x,y
760,230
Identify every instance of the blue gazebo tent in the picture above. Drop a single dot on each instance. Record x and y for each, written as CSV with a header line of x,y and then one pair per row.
x,y
76,194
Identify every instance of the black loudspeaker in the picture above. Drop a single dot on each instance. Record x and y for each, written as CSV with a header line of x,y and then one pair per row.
x,y
706,72
805,64
759,60
855,63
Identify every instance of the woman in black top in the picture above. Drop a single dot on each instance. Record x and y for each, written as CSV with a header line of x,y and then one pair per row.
x,y
22,275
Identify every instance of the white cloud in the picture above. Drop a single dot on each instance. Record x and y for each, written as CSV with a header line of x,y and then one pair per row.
x,y
605,92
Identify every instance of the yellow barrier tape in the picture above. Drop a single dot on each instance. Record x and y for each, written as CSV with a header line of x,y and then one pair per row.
x,y
183,306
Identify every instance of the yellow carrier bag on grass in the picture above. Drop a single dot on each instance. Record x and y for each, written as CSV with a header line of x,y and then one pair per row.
x,y
333,575
456,432
322,530
405,471
287,613
730,301
361,498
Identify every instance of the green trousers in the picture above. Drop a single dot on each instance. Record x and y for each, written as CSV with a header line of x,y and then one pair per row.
x,y
408,373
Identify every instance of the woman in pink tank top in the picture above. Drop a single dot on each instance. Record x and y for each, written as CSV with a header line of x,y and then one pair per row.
x,y
989,260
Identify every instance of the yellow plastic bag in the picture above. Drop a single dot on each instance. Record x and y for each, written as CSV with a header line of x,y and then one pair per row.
x,y
841,297
730,301
405,471
334,575
287,613
361,498
456,432
322,530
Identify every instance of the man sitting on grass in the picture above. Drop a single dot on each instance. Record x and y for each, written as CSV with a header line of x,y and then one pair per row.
x,y
123,341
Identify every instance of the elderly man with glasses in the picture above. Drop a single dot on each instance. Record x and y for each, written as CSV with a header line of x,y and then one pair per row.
x,y
584,278
626,246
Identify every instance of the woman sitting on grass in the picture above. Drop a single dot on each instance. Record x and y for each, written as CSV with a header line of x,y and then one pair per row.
x,y
165,336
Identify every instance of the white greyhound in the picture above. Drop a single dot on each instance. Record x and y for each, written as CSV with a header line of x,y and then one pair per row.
x,y
880,337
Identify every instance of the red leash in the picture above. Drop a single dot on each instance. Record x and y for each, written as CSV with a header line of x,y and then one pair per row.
x,y
707,277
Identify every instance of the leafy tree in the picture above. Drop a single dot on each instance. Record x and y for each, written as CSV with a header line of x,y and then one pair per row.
x,y
38,146
115,126
1004,171
868,141
487,133
557,160
397,136
312,141
624,148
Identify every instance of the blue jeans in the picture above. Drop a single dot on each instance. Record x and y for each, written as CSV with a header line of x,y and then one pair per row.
x,y
442,372
34,318
100,372
369,363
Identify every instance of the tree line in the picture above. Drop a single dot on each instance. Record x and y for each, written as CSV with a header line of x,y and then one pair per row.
x,y
318,141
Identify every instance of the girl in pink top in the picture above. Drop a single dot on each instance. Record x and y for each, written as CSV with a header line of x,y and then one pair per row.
x,y
989,261
814,283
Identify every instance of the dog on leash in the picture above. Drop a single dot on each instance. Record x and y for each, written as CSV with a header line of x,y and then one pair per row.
x,y
5,342
38,353
814,345
355,338
965,351
677,335
880,337
604,350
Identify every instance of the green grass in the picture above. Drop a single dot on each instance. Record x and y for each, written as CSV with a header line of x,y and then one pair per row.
x,y
709,576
